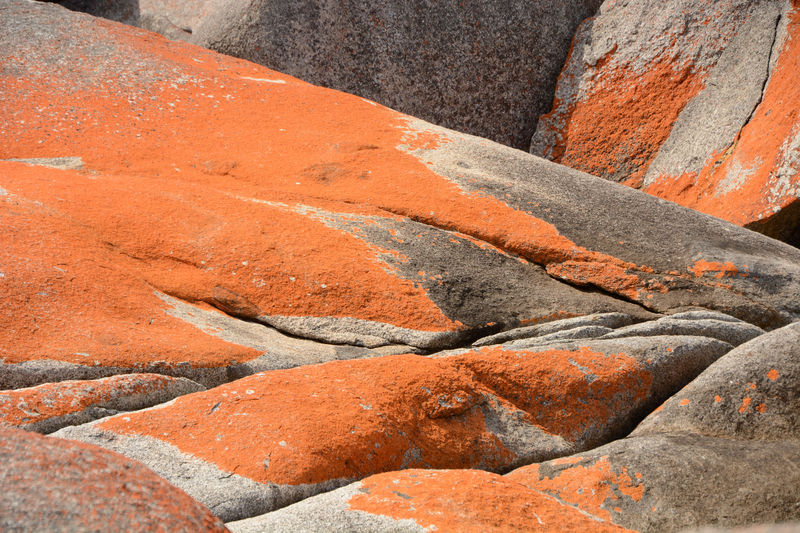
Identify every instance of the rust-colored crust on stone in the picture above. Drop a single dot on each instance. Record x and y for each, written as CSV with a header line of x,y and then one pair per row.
x,y
469,501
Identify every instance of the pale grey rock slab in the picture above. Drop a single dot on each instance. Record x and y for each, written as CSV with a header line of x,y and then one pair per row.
x,y
734,333
609,320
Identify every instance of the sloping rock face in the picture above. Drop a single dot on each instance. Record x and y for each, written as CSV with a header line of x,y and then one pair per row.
x,y
55,485
51,406
191,194
694,102
362,293
485,68
688,463
492,409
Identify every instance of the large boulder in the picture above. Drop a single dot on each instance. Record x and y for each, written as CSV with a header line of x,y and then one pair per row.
x,y
56,485
198,196
485,68
267,440
721,75
750,392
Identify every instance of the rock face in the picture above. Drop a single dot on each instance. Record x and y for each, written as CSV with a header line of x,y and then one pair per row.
x,y
488,69
291,291
51,406
55,485
726,135
428,500
492,409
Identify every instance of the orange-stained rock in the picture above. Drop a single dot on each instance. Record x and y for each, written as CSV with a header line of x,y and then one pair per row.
x,y
428,500
56,485
721,75
305,430
672,481
220,183
49,407
750,392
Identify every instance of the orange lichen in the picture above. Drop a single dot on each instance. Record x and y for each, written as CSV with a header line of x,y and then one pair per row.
x,y
702,267
758,174
380,414
21,407
717,398
77,300
612,131
468,501
592,487
566,392
256,142
761,408
685,401
745,404
772,375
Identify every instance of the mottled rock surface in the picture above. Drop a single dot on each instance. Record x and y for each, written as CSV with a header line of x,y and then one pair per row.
x,y
752,392
670,482
56,485
491,408
411,234
51,406
722,75
428,500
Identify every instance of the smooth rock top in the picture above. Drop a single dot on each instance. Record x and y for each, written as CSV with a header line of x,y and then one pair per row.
x,y
56,485
751,392
722,76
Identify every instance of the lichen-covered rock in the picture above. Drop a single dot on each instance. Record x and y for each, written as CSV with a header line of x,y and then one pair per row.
x,y
722,77
267,440
382,230
56,485
428,500
751,392
669,482
51,406
485,68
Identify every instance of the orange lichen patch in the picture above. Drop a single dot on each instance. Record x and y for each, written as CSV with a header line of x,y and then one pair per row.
x,y
610,277
745,404
26,406
78,301
289,142
249,264
469,501
612,131
685,401
717,398
566,392
593,487
379,415
772,375
761,408
760,173
718,270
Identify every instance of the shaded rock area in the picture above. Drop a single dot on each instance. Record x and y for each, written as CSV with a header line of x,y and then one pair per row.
x,y
725,139
235,296
55,485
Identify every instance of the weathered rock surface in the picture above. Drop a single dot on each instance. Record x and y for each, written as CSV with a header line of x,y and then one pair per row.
x,y
752,392
51,406
428,500
734,333
491,408
605,320
56,485
485,68
726,137
669,482
411,234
